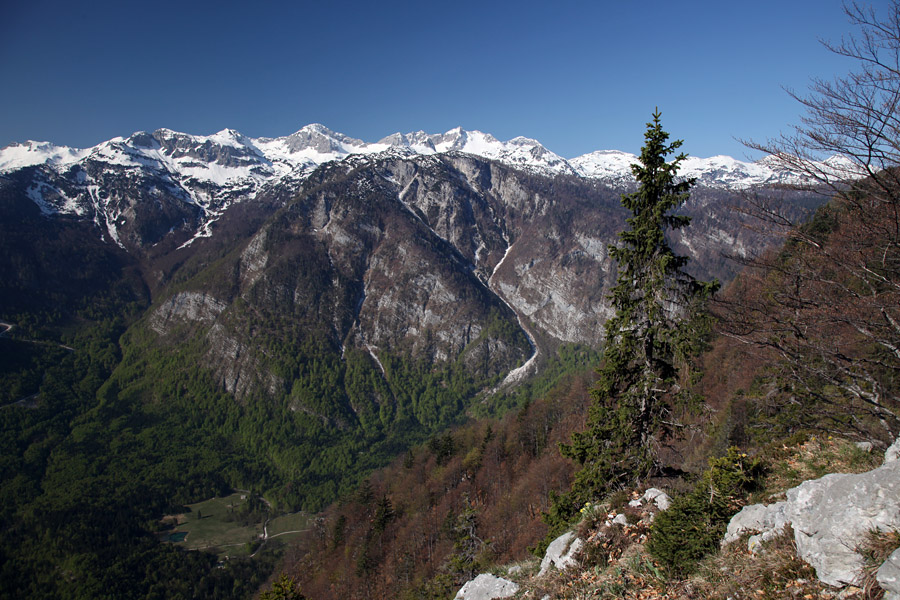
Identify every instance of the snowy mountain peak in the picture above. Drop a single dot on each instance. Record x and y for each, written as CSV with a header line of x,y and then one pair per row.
x,y
230,137
31,153
197,177
418,141
196,155
319,139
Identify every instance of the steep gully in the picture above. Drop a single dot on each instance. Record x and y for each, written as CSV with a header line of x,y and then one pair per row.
x,y
519,373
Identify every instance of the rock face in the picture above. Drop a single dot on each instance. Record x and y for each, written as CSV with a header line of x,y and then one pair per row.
x,y
830,517
431,255
487,587
888,576
421,249
561,552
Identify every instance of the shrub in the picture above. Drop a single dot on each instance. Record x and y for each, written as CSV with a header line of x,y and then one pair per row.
x,y
283,589
696,522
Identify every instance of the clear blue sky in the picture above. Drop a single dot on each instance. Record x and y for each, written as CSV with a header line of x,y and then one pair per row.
x,y
577,76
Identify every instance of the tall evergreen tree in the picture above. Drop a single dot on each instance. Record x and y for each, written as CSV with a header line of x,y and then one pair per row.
x,y
656,328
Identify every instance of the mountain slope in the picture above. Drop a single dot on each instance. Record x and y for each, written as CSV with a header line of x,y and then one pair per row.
x,y
280,315
410,245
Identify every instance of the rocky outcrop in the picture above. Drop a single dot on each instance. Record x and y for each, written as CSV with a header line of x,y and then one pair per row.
x,y
186,307
655,496
892,454
561,552
769,520
487,587
830,518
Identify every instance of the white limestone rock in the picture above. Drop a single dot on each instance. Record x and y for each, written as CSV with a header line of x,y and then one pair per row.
x,y
830,517
487,587
561,552
892,454
756,517
888,576
865,446
658,497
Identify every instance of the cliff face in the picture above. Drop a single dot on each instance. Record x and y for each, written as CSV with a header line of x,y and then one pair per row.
x,y
445,257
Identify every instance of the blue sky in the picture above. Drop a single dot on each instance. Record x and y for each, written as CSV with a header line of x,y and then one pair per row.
x,y
577,76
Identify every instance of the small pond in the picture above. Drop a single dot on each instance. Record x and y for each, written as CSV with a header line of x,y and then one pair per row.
x,y
177,536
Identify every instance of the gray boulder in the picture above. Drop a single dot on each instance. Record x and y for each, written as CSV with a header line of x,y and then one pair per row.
x,y
561,552
892,454
620,519
768,520
830,517
658,497
487,587
865,446
888,576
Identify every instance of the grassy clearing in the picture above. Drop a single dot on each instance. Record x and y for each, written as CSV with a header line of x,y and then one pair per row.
x,y
214,525
287,527
811,459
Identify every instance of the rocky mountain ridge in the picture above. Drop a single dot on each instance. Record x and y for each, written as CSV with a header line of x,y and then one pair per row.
x,y
196,178
417,242
423,253
315,144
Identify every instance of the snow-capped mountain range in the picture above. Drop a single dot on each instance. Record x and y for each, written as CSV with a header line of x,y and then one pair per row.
x,y
204,175
228,156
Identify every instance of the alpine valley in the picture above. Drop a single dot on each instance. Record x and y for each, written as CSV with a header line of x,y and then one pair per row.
x,y
191,315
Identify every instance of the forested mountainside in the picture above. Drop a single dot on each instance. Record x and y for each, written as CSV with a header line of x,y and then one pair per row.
x,y
798,380
162,351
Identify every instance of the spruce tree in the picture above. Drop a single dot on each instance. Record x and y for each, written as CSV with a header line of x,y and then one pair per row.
x,y
656,328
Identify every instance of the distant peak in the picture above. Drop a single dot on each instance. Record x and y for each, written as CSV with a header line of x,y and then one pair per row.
x,y
524,141
315,128
164,132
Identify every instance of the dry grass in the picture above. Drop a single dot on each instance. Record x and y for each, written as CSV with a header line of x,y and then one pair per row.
x,y
876,549
774,573
817,456
615,564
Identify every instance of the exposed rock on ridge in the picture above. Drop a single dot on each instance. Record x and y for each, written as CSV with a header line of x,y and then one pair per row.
x,y
487,587
830,517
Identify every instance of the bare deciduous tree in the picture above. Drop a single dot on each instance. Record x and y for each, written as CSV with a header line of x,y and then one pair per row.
x,y
829,303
